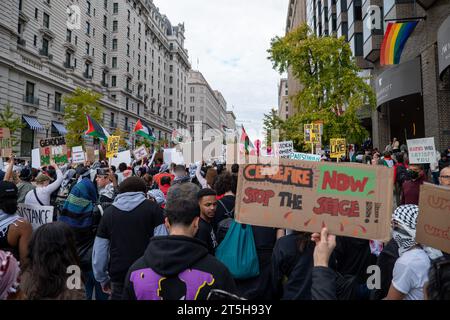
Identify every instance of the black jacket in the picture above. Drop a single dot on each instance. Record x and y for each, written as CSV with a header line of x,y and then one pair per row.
x,y
176,268
386,261
323,284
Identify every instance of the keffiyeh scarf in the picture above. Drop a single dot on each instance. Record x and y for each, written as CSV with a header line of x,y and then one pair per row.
x,y
405,219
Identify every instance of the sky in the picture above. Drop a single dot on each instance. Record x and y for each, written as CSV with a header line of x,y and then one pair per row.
x,y
229,39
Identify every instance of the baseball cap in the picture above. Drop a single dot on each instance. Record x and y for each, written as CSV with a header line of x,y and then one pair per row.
x,y
8,190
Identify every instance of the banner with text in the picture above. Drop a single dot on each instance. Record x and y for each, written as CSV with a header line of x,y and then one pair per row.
x,y
140,153
305,156
78,155
35,214
433,222
421,151
349,199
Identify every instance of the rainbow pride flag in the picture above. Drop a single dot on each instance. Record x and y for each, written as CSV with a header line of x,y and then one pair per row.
x,y
394,41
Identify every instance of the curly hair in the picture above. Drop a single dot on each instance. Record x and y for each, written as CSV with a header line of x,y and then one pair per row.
x,y
224,183
51,251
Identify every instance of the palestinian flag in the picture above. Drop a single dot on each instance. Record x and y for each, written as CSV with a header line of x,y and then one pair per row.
x,y
144,131
246,141
96,130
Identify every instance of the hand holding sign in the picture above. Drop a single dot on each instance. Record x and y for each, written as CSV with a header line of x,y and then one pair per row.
x,y
325,244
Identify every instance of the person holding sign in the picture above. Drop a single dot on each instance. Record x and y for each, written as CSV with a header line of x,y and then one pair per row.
x,y
44,189
15,233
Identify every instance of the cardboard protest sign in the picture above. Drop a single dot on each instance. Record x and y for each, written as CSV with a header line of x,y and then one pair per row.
x,y
349,199
421,151
337,148
112,146
307,133
56,153
433,222
78,155
5,142
124,156
305,156
90,154
36,215
140,153
283,149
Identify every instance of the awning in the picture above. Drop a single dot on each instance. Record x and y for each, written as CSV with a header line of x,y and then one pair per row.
x,y
398,81
60,128
443,41
33,123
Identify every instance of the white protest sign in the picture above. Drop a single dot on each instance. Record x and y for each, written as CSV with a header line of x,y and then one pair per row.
x,y
35,214
78,155
305,156
36,158
421,151
124,156
153,157
283,149
168,156
140,153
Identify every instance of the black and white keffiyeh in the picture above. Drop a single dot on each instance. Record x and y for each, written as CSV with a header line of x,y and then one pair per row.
x,y
404,233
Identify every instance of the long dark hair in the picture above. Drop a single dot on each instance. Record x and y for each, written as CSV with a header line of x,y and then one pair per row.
x,y
50,252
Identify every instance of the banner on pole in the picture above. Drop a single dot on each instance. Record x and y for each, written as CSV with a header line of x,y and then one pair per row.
x,y
348,199
305,156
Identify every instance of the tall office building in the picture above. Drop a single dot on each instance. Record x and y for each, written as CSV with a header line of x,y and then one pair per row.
x,y
124,49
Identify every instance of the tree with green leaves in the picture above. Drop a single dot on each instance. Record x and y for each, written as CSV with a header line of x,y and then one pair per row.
x,y
8,120
123,135
271,121
77,105
332,90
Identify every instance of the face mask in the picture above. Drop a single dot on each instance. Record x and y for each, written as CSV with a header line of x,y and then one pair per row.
x,y
413,174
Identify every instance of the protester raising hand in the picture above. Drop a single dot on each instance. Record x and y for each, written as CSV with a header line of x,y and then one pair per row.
x,y
323,278
325,244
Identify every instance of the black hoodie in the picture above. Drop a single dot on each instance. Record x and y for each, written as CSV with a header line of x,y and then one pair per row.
x,y
176,268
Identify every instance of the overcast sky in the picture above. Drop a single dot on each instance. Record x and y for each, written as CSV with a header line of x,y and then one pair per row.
x,y
230,39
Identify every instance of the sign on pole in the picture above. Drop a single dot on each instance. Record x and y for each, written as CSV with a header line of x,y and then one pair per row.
x,y
421,151
433,222
5,142
337,148
283,149
112,146
348,199
35,214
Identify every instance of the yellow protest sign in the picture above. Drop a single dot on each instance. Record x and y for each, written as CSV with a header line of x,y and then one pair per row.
x,y
337,148
112,147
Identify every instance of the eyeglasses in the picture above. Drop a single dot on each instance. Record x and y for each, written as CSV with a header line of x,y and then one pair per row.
x,y
444,177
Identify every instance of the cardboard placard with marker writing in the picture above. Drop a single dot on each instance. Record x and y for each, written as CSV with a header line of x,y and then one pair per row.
x,y
5,142
349,199
433,222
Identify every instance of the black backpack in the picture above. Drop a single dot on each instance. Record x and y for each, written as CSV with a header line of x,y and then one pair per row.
x,y
402,175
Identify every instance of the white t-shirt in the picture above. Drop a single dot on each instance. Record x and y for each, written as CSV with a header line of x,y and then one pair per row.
x,y
411,273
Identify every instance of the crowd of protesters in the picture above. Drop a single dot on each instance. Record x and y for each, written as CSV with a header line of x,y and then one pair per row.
x,y
151,231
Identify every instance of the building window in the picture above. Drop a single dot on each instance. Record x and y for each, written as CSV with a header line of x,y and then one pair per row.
x,y
114,45
114,62
105,22
105,39
115,26
114,81
128,50
129,15
35,41
126,124
105,4
69,35
127,103
192,99
104,58
58,101
44,49
88,4
88,28
46,21
115,8
36,13
88,48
